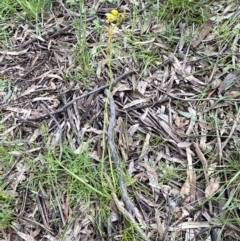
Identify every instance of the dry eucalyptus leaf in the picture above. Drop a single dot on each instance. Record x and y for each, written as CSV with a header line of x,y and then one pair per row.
x,y
229,79
177,121
206,28
232,94
212,187
14,53
184,144
185,190
22,235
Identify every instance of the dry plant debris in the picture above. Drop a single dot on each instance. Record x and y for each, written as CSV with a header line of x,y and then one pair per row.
x,y
155,151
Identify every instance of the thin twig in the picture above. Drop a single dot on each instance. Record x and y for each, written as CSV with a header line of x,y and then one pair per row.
x,y
169,218
34,39
33,223
70,12
4,235
80,97
149,104
205,169
125,212
59,206
42,211
203,161
112,145
11,168
70,114
201,99
233,129
23,77
60,130
218,138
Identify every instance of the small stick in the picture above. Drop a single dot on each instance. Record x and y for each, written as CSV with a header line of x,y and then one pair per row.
x,y
125,212
11,168
60,129
59,206
112,145
218,139
34,39
203,161
205,168
80,97
233,129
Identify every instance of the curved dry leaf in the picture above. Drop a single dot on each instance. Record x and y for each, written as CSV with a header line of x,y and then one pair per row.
x,y
188,115
206,28
168,130
229,79
232,94
25,237
192,224
184,144
185,190
14,53
145,146
135,102
22,235
212,187
177,121
147,201
146,42
10,129
211,168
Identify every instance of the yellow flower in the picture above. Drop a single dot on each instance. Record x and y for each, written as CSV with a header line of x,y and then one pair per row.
x,y
114,16
114,12
110,18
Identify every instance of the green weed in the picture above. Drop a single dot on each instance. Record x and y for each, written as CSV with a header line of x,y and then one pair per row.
x,y
5,208
188,10
5,199
33,8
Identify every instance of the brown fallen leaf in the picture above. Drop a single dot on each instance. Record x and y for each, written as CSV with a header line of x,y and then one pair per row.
x,y
189,187
184,144
229,79
212,187
177,121
145,146
204,32
22,235
14,53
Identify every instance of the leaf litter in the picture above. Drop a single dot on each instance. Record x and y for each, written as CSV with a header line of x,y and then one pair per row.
x,y
162,129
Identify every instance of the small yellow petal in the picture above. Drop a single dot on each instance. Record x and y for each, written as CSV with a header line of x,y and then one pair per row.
x,y
114,12
110,17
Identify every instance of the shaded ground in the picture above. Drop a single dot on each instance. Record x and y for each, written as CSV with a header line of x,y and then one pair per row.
x,y
157,158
